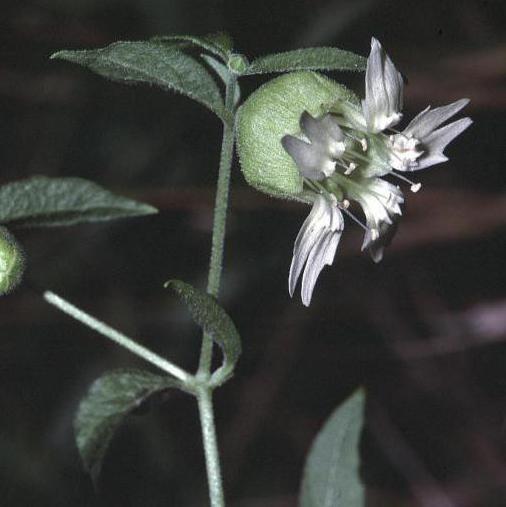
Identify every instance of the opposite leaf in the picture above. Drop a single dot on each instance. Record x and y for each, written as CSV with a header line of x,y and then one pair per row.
x,y
211,317
43,201
331,475
110,399
308,59
154,63
219,43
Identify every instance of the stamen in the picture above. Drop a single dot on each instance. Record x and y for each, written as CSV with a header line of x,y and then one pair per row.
x,y
363,142
350,168
353,217
415,187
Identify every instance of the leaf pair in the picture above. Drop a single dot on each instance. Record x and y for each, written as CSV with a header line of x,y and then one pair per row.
x,y
116,394
164,62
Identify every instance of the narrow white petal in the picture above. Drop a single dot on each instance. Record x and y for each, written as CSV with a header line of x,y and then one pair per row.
x,y
383,90
322,254
309,160
437,141
429,119
312,229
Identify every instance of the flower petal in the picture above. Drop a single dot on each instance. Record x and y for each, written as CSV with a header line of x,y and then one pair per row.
x,y
316,245
309,234
321,255
437,141
383,90
314,159
429,119
311,160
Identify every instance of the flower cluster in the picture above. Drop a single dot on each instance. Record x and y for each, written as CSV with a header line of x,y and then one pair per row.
x,y
342,157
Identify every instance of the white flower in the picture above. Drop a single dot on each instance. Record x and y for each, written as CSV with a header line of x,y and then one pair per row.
x,y
383,91
316,245
316,159
381,202
421,144
343,156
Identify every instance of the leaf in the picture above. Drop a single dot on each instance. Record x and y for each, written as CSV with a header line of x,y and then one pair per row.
x,y
307,59
223,73
43,201
331,475
110,399
213,319
221,44
154,63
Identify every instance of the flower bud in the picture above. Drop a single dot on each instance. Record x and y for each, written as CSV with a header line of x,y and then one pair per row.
x,y
238,64
12,262
270,113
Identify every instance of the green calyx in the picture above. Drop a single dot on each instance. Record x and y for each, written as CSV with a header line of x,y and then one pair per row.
x,y
12,262
270,113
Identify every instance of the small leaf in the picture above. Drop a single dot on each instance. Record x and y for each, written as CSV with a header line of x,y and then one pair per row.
x,y
213,319
221,44
331,475
110,399
308,59
223,73
43,201
154,63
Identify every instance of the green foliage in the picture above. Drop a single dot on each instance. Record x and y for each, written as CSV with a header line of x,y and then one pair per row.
x,y
269,113
156,63
307,59
331,475
220,44
12,262
42,201
110,399
211,317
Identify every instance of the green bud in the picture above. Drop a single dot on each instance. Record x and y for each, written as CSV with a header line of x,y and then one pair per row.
x,y
273,111
238,64
12,262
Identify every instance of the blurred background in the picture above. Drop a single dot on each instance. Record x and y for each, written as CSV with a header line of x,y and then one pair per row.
x,y
424,330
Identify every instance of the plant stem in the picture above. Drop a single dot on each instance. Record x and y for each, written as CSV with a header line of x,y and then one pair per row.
x,y
204,395
211,452
118,337
219,220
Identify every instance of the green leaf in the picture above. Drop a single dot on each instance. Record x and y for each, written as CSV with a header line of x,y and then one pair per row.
x,y
308,59
43,201
110,399
221,44
213,319
223,73
154,63
331,475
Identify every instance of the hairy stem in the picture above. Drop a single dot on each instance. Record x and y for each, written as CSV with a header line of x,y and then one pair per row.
x,y
204,396
118,337
219,221
213,467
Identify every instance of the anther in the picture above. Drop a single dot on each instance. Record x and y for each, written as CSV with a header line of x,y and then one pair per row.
x,y
415,187
350,168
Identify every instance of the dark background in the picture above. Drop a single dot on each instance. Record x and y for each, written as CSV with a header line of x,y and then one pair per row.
x,y
424,330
